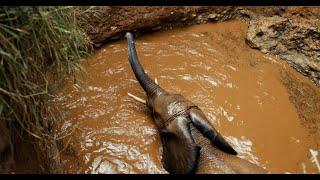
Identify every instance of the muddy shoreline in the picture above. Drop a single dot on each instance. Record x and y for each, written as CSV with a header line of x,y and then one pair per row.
x,y
292,33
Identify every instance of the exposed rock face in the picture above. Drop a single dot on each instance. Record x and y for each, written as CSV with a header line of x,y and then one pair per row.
x,y
296,41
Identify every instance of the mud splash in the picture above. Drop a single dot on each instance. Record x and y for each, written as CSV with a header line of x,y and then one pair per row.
x,y
242,91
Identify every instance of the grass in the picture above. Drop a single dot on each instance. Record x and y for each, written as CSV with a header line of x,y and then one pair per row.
x,y
39,47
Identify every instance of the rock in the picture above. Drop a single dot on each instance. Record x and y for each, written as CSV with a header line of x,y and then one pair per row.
x,y
297,42
212,16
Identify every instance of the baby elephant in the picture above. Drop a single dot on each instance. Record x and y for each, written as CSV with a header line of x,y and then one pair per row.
x,y
190,143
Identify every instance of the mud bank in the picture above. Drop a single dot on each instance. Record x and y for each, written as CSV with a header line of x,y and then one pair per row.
x,y
290,32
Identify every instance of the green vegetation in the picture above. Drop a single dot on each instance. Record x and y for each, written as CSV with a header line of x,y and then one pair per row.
x,y
39,47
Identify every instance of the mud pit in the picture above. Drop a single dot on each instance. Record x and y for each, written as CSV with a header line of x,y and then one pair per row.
x,y
248,96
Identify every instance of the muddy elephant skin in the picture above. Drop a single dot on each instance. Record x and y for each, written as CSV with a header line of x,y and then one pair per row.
x,y
190,143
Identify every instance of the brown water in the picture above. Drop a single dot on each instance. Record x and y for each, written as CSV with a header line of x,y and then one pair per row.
x,y
240,89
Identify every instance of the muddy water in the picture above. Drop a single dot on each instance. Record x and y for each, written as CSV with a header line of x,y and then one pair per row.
x,y
240,89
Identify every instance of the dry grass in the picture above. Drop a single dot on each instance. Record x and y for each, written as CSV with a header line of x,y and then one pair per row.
x,y
39,47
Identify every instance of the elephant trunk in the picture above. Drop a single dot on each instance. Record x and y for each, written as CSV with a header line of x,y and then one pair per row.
x,y
149,86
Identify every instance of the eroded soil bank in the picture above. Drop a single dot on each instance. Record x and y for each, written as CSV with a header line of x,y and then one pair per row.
x,y
292,33
265,109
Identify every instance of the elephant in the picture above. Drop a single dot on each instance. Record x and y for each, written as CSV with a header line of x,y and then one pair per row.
x,y
190,143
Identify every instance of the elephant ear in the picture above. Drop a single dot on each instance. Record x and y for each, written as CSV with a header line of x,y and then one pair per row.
x,y
200,121
180,152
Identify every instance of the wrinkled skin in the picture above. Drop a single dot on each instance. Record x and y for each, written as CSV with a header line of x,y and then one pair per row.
x,y
190,143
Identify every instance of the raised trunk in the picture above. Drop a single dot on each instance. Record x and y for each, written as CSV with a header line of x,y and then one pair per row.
x,y
147,84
